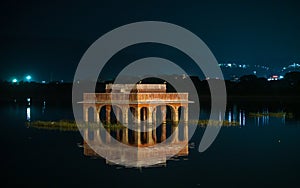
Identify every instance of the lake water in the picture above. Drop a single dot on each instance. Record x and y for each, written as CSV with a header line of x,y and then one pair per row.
x,y
262,152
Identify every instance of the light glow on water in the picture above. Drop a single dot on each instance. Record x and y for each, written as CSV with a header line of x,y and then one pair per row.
x,y
28,115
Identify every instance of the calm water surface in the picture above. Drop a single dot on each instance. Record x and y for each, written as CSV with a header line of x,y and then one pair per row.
x,y
262,152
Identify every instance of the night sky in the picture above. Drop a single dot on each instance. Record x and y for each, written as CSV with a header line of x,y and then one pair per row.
x,y
47,39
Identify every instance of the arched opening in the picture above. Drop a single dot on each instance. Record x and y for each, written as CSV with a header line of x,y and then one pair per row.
x,y
131,115
115,115
163,113
102,114
144,113
91,117
170,113
131,136
110,114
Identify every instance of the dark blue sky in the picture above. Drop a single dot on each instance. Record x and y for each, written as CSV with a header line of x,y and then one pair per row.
x,y
47,38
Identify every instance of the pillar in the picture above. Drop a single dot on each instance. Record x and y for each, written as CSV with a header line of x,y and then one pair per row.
x,y
108,110
144,133
150,113
97,136
138,115
96,115
144,113
125,115
163,132
85,113
175,114
149,135
125,135
186,114
185,132
137,136
154,135
174,138
164,114
86,134
154,115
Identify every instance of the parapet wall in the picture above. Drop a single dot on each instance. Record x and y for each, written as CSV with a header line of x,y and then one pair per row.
x,y
136,88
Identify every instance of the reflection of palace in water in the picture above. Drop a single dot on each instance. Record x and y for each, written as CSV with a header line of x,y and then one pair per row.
x,y
142,152
140,107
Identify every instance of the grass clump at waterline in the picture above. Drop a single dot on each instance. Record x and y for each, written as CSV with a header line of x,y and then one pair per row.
x,y
68,125
271,114
206,122
64,125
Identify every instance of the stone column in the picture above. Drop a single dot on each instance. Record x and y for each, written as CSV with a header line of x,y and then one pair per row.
x,y
97,136
149,135
96,115
125,135
150,113
164,114
174,134
154,115
144,113
186,114
138,115
163,132
185,132
86,134
85,113
154,134
144,133
175,114
125,115
108,109
137,136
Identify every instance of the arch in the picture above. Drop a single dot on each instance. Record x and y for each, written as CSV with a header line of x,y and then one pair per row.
x,y
116,114
102,114
144,113
163,113
110,114
131,115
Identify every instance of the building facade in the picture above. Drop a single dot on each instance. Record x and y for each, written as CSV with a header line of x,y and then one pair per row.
x,y
135,103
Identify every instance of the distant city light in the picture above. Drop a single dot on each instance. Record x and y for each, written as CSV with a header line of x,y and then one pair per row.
x,y
14,80
28,116
28,77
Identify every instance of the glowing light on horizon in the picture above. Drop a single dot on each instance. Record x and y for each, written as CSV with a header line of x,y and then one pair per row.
x,y
14,80
28,114
28,77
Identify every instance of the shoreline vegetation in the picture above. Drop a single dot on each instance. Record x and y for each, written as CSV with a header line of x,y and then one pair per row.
x,y
271,114
70,125
246,88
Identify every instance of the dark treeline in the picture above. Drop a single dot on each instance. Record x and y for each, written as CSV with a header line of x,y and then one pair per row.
x,y
247,87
